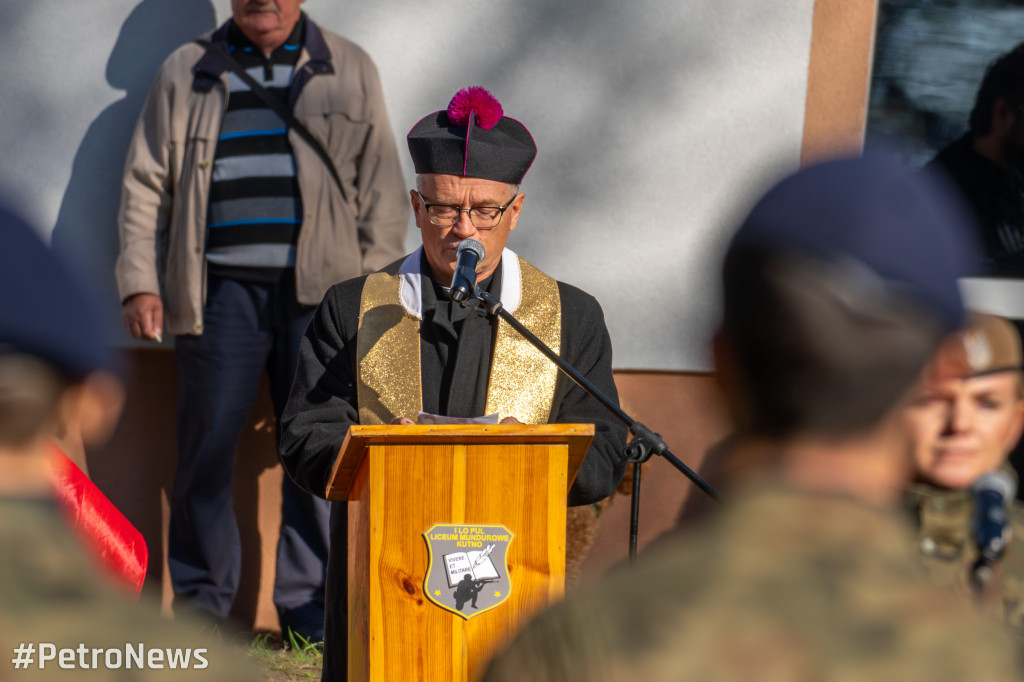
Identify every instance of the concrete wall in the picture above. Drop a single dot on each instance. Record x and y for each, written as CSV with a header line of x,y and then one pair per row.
x,y
657,121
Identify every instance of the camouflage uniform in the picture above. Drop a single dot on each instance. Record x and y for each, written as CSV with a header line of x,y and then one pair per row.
x,y
781,586
50,593
947,548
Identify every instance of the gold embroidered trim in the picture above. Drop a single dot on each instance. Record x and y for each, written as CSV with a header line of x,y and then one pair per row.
x,y
522,381
388,354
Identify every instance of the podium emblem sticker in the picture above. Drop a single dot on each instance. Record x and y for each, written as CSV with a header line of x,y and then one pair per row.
x,y
467,572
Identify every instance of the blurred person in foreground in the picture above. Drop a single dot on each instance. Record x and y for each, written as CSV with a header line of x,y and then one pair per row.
x,y
56,370
970,527
803,572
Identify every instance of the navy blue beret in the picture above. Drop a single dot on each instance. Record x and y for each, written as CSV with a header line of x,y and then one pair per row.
x,y
908,226
45,311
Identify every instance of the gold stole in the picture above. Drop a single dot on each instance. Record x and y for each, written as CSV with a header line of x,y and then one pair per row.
x,y
522,380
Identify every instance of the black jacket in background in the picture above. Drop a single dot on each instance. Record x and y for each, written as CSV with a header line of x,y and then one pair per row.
x,y
997,199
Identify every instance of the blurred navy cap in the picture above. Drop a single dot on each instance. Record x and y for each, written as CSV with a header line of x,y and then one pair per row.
x,y
907,226
45,311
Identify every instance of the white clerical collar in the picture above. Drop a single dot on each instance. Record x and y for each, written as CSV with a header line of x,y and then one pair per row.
x,y
410,288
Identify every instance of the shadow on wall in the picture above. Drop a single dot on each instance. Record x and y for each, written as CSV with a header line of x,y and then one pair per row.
x,y
136,478
86,228
627,104
596,91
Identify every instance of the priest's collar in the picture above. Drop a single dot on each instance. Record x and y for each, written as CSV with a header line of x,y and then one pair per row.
x,y
413,272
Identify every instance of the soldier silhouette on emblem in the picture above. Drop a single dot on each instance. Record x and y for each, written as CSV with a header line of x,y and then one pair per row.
x,y
468,590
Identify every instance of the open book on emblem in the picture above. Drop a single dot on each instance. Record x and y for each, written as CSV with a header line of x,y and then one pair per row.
x,y
474,564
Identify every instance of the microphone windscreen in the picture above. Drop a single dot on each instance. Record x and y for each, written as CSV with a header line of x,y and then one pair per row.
x,y
470,245
998,481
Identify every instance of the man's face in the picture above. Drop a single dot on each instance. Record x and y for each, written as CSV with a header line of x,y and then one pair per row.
x,y
439,243
261,18
964,428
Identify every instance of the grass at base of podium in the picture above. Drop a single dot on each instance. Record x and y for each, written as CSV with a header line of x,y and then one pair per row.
x,y
299,661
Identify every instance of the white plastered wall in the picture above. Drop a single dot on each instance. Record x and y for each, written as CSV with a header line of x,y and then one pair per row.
x,y
657,121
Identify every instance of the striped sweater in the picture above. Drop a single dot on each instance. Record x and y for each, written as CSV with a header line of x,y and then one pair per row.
x,y
255,208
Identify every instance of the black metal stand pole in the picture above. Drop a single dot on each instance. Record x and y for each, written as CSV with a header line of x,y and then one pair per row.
x,y
645,442
634,511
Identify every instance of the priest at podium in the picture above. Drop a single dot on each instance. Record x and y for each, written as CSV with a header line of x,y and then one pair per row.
x,y
383,348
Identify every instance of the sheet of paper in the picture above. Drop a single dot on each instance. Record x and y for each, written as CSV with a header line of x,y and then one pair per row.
x,y
427,418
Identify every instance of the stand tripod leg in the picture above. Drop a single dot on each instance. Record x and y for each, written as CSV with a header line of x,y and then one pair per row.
x,y
634,516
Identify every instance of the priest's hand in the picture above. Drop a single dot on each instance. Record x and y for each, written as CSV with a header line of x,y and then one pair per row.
x,y
510,420
404,421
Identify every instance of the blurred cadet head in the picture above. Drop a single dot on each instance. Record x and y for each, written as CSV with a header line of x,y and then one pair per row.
x,y
469,156
964,427
1003,82
55,367
838,288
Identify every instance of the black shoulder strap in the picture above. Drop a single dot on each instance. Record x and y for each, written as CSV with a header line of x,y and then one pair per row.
x,y
274,103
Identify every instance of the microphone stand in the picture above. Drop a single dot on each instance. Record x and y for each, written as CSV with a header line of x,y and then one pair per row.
x,y
644,443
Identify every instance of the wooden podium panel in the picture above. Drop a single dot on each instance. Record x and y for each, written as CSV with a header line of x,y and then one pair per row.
x,y
516,476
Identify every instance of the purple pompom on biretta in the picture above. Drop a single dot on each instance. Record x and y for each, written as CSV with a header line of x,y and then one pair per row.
x,y
474,100
472,138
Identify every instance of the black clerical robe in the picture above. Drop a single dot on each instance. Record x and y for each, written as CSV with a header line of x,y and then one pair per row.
x,y
455,357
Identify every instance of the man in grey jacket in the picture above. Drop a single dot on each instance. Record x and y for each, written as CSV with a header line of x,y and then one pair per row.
x,y
232,227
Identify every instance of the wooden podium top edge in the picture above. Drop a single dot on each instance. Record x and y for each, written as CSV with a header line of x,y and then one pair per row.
x,y
359,438
417,432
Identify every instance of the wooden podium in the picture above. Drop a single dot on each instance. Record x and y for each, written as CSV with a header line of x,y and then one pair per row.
x,y
425,502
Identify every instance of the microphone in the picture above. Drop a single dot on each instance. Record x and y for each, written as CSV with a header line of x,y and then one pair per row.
x,y
468,254
991,493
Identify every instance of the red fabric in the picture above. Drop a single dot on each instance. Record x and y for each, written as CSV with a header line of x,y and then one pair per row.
x,y
104,529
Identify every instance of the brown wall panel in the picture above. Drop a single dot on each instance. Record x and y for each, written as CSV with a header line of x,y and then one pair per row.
x,y
135,469
686,409
842,44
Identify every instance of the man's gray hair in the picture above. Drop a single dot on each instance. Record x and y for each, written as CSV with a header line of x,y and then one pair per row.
x,y
419,184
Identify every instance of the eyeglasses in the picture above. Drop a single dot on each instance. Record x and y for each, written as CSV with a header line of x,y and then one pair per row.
x,y
482,217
